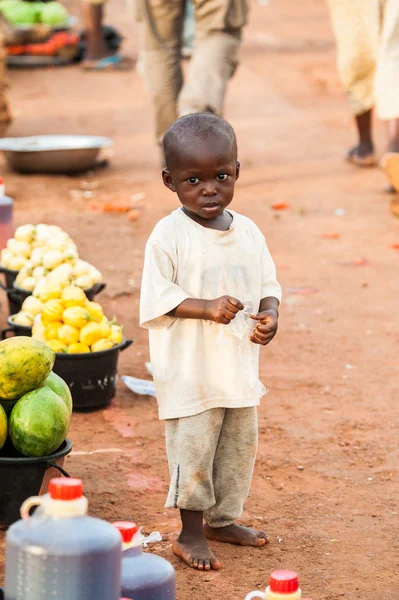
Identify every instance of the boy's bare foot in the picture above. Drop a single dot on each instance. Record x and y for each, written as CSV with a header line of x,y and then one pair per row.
x,y
236,534
195,552
362,156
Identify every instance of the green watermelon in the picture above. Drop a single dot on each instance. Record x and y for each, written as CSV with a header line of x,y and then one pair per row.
x,y
3,427
58,385
39,423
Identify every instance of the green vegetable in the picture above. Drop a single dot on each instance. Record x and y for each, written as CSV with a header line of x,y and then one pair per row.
x,y
58,385
39,423
53,13
19,13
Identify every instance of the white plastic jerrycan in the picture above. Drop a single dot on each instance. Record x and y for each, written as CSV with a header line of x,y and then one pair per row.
x,y
283,585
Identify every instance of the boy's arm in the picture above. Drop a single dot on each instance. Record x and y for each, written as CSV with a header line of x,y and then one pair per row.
x,y
267,318
222,310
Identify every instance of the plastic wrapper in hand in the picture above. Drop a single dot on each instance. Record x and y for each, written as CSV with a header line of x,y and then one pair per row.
x,y
242,327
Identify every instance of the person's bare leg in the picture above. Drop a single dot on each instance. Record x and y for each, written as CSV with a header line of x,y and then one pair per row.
x,y
93,15
390,161
192,545
393,135
363,153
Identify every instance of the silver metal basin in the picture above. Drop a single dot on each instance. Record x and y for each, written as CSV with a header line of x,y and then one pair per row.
x,y
53,153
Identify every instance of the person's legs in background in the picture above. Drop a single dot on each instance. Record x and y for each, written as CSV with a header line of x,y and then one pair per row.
x,y
161,58
98,55
387,88
356,26
215,57
188,30
5,116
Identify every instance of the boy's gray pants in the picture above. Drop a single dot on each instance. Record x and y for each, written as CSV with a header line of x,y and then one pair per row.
x,y
211,461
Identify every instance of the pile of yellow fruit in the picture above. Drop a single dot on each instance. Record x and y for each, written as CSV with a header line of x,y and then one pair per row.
x,y
43,253
68,322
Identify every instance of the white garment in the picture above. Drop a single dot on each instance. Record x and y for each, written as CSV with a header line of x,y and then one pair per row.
x,y
199,365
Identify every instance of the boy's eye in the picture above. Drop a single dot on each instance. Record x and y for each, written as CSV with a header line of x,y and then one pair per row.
x,y
222,176
192,180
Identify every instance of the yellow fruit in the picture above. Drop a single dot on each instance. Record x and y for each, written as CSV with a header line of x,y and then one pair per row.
x,y
16,263
52,311
116,334
37,256
78,349
77,316
28,284
39,336
19,248
95,310
32,305
24,318
84,281
90,334
25,233
52,258
52,329
38,323
101,345
73,295
5,257
105,328
61,275
48,292
39,272
56,346
68,335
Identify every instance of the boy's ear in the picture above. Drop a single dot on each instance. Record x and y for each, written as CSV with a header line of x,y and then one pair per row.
x,y
167,180
238,166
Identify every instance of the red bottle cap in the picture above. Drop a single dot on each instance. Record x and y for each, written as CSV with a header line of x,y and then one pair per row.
x,y
127,529
65,488
284,582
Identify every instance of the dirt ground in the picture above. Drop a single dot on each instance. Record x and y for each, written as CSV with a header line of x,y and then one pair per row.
x,y
326,487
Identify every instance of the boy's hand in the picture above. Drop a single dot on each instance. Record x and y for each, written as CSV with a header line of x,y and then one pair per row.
x,y
266,328
222,310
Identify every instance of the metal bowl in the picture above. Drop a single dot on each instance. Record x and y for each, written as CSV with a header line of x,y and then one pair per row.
x,y
53,153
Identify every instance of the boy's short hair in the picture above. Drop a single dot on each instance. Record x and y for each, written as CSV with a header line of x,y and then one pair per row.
x,y
190,128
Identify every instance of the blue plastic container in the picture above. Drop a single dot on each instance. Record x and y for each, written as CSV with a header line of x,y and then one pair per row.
x,y
144,576
60,552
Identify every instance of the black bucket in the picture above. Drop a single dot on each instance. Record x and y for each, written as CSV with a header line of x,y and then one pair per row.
x,y
17,295
25,476
9,277
15,329
91,377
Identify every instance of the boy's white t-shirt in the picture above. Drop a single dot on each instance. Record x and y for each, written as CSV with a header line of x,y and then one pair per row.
x,y
199,365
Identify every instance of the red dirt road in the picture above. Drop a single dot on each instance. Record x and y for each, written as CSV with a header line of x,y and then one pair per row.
x,y
326,483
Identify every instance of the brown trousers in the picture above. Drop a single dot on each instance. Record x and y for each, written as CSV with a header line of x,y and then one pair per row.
x,y
218,35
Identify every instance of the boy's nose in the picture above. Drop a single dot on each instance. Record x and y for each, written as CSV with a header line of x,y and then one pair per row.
x,y
209,189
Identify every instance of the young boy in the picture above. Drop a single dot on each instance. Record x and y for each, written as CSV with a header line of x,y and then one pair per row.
x,y
207,269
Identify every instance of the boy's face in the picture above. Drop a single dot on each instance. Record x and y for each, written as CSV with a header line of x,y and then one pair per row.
x,y
203,176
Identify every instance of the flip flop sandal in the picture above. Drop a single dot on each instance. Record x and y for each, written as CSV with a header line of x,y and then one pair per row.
x,y
361,161
109,63
390,164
